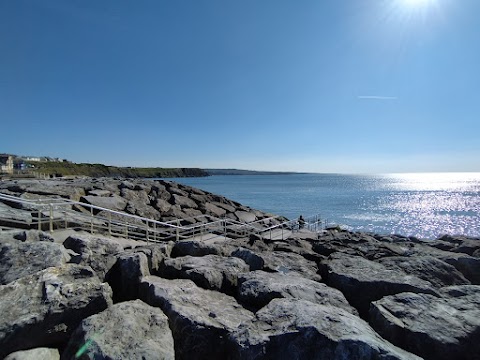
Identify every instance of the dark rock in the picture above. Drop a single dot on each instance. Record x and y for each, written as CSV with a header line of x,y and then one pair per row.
x,y
254,261
33,235
211,272
125,276
446,327
19,259
428,268
299,329
363,281
462,244
129,330
201,320
256,289
214,210
96,251
44,308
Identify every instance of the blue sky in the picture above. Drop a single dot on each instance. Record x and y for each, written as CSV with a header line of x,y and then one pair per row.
x,y
352,86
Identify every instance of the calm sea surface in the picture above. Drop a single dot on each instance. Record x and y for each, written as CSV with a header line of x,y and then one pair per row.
x,y
422,205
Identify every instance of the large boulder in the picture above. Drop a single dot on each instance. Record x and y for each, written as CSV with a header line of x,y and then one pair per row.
x,y
125,276
363,281
113,202
257,288
203,245
129,330
18,259
290,263
100,253
299,329
428,268
44,308
201,320
468,265
15,218
211,272
439,328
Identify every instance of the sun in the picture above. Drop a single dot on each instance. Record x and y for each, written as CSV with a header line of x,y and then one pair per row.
x,y
417,3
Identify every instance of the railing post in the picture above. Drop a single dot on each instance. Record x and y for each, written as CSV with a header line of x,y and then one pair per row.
x,y
146,230
154,231
91,220
51,218
178,226
66,222
110,223
39,219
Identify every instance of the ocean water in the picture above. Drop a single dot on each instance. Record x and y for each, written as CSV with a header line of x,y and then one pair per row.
x,y
422,205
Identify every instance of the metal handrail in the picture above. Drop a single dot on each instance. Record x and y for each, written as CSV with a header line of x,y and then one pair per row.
x,y
51,213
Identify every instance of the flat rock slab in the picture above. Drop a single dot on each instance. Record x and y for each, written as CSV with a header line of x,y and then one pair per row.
x,y
201,320
429,268
35,354
44,308
446,327
290,263
201,245
299,329
19,259
113,202
128,330
363,281
257,288
15,218
245,216
210,272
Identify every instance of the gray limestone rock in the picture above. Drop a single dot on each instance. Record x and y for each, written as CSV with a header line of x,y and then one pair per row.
x,y
15,218
201,246
257,288
428,268
96,251
290,263
439,328
184,202
128,330
211,272
201,320
19,259
245,216
299,329
125,276
44,308
363,281
113,202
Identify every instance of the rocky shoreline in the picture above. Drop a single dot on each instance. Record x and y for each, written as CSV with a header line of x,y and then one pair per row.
x,y
330,295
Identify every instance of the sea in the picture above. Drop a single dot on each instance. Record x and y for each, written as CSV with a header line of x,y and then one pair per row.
x,y
422,205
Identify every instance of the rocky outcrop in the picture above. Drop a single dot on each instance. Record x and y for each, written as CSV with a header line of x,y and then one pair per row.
x,y
35,354
44,308
19,259
129,330
299,329
210,272
256,289
227,294
201,320
446,327
363,281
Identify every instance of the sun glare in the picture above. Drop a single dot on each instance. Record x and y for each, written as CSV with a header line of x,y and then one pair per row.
x,y
415,4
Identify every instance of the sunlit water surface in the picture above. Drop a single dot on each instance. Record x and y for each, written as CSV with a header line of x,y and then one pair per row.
x,y
422,205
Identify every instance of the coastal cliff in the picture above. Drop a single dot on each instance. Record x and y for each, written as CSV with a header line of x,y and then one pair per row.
x,y
331,294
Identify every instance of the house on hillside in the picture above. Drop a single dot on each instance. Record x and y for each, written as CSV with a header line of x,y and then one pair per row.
x,y
6,163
